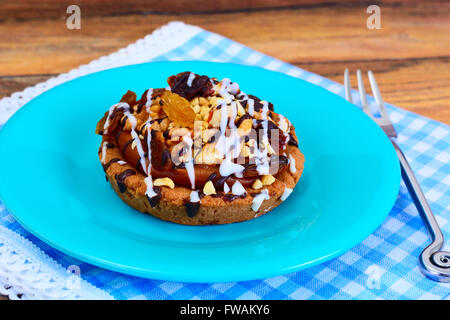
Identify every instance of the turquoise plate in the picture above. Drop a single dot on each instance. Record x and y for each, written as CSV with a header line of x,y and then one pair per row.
x,y
53,183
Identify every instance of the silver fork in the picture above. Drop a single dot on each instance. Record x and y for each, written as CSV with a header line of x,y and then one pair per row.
x,y
434,263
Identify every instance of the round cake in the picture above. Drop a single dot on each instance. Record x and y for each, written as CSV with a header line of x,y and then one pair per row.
x,y
199,152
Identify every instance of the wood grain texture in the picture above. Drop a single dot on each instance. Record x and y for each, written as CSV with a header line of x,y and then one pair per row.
x,y
409,55
42,9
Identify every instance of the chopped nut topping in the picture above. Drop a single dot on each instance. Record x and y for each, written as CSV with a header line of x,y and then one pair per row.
x,y
240,109
164,182
179,132
245,127
267,179
209,189
194,102
257,184
245,151
196,108
203,101
208,134
209,155
215,120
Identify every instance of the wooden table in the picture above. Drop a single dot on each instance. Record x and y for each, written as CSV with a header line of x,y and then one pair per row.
x,y
410,54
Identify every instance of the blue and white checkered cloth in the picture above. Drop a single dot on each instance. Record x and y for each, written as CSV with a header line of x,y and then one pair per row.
x,y
383,266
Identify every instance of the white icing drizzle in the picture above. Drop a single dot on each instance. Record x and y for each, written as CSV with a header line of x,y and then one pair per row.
x,y
286,193
251,106
136,138
260,156
229,145
250,103
225,89
190,79
111,110
233,88
259,198
283,124
194,197
292,167
131,118
149,183
149,99
148,180
237,189
225,144
104,152
228,168
286,142
233,115
189,164
262,165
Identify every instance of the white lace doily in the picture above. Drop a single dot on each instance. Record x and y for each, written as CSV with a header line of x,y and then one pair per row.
x,y
25,271
28,273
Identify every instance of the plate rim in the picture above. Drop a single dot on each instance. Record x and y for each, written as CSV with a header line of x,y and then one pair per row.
x,y
158,275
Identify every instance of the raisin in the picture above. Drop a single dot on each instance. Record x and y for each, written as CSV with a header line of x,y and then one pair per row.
x,y
200,86
178,109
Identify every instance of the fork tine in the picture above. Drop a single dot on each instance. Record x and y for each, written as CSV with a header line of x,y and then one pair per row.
x,y
377,95
362,93
348,87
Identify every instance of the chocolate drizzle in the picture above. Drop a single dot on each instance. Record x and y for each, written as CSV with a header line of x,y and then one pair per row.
x,y
124,120
121,179
292,140
118,135
192,208
220,182
125,146
106,165
245,116
140,105
189,86
182,165
211,177
217,195
165,157
230,197
155,199
159,120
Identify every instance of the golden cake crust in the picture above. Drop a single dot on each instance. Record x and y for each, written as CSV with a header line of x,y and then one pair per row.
x,y
212,210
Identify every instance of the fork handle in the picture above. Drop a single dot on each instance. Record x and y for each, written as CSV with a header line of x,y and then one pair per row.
x,y
434,263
